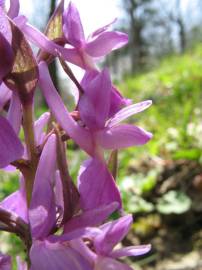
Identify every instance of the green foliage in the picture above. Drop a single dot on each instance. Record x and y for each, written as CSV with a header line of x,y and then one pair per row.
x,y
174,202
175,88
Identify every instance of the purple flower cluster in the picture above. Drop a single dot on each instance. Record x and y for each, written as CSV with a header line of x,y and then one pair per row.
x,y
62,224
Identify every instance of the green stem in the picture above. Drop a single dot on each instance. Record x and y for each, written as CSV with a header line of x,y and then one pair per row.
x,y
28,126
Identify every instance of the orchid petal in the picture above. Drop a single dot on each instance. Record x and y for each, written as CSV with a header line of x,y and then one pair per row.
x,y
6,56
17,202
72,26
39,127
122,136
94,103
95,188
131,251
5,95
112,233
81,136
11,147
40,40
87,232
105,43
14,8
80,246
45,255
117,102
102,29
15,113
128,111
91,217
5,262
42,213
105,263
2,3
5,27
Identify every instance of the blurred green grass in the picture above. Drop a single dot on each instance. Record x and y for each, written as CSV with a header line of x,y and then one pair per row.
x,y
175,88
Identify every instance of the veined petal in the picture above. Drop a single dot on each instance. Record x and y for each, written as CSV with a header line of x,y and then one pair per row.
x,y
5,95
39,126
95,102
42,213
10,145
111,234
105,263
72,26
95,188
51,256
122,136
15,113
17,203
91,217
128,111
14,8
81,136
105,43
131,251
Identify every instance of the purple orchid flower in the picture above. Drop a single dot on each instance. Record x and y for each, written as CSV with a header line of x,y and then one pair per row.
x,y
100,43
81,51
104,241
99,132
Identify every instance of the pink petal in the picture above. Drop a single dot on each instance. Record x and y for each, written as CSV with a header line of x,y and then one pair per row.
x,y
51,256
39,126
122,136
111,234
14,8
105,43
39,39
11,147
105,263
5,262
94,103
17,202
95,188
128,111
42,213
131,251
81,136
103,28
91,217
15,113
72,27
117,102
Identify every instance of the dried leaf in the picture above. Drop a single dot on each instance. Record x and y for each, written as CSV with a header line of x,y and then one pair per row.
x,y
54,30
24,74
